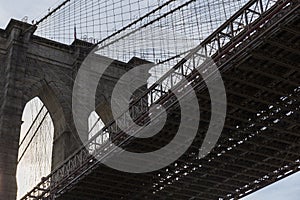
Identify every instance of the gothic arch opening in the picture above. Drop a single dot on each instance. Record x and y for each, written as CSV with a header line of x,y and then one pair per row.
x,y
35,146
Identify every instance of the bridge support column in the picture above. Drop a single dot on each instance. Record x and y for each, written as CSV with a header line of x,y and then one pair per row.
x,y
35,67
12,104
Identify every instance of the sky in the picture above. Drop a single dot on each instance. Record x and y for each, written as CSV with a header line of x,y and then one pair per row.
x,y
34,164
287,189
18,9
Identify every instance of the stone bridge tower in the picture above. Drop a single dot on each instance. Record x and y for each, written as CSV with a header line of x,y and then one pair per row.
x,y
30,67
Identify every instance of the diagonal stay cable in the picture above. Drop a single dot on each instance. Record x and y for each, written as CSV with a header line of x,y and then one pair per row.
x,y
31,126
134,22
143,26
39,126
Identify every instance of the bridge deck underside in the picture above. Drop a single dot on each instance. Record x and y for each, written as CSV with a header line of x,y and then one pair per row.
x,y
260,141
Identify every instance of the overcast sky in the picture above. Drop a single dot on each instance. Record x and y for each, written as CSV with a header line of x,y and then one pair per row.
x,y
287,189
19,8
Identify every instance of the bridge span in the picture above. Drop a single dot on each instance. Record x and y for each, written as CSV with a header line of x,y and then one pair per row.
x,y
259,144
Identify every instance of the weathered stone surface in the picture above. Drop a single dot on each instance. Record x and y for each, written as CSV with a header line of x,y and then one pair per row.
x,y
31,66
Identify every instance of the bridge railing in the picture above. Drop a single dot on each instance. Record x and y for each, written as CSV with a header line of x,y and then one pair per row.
x,y
220,45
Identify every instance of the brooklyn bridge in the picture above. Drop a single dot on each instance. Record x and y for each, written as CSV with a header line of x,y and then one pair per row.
x,y
215,114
